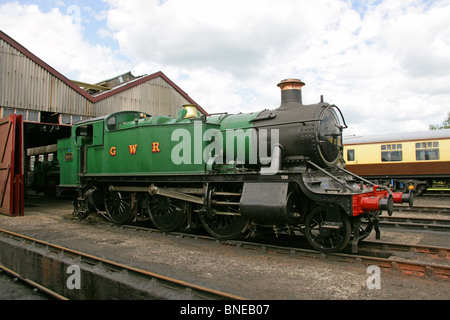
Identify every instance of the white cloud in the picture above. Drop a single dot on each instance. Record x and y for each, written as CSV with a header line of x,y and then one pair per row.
x,y
383,63
386,64
56,37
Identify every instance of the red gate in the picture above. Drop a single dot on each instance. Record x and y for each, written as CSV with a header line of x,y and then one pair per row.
x,y
11,166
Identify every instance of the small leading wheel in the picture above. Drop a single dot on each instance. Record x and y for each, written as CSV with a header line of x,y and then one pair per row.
x,y
326,239
167,214
119,206
365,228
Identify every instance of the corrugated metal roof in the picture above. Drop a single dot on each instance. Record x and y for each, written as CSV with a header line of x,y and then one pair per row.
x,y
25,84
394,137
119,87
60,91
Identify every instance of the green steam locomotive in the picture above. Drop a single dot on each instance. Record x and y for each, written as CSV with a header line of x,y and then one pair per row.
x,y
234,175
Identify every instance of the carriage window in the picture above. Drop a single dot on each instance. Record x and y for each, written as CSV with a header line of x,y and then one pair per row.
x,y
391,152
427,150
351,155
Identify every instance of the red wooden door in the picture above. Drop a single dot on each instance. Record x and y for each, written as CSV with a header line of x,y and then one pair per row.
x,y
11,166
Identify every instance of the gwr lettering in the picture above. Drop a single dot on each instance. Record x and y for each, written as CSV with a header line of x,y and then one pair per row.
x,y
155,147
246,309
133,148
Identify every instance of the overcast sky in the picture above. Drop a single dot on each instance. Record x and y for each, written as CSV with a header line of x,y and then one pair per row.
x,y
385,64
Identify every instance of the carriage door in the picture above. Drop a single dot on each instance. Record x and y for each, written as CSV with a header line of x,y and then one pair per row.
x,y
11,166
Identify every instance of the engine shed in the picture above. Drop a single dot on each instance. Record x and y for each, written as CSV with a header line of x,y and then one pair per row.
x,y
39,105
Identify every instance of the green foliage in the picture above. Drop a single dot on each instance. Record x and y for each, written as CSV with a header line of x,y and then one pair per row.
x,y
444,125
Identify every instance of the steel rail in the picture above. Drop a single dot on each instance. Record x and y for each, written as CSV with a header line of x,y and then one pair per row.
x,y
33,284
391,263
423,209
428,269
429,224
390,247
180,283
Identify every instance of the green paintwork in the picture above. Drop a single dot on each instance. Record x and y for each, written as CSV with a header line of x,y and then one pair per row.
x,y
130,143
69,167
239,128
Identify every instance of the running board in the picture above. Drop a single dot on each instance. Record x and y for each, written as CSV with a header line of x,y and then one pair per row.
x,y
153,190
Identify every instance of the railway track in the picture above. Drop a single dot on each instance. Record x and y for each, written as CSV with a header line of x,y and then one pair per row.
x,y
178,289
419,260
410,223
423,209
32,284
381,254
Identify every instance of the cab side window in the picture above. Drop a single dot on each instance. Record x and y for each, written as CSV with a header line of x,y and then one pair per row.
x,y
84,135
111,124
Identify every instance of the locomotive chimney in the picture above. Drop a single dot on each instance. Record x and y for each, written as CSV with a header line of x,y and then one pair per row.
x,y
291,93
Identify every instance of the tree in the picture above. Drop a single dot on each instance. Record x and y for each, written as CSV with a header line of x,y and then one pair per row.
x,y
444,125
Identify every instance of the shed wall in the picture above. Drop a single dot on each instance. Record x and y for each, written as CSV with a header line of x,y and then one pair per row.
x,y
24,84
